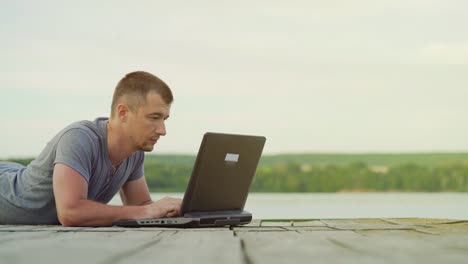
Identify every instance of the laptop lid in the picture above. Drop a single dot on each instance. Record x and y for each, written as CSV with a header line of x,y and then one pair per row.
x,y
223,173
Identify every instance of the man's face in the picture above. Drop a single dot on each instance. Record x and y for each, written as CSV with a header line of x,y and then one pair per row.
x,y
147,125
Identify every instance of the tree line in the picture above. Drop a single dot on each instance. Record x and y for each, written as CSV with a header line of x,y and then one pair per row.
x,y
304,177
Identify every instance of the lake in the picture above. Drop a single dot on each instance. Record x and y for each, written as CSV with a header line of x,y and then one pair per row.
x,y
350,205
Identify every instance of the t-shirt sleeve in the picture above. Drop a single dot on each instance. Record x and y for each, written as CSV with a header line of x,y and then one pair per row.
x,y
138,170
75,149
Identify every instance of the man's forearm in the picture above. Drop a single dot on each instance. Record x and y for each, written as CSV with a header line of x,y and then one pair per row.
x,y
91,213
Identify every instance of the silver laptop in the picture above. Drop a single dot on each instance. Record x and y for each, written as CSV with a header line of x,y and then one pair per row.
x,y
219,185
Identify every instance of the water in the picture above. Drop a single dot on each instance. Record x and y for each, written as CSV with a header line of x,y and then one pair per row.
x,y
350,205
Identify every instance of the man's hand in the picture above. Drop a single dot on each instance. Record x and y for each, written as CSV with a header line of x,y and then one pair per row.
x,y
166,207
136,193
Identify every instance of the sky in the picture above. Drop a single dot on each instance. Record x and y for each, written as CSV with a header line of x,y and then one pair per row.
x,y
311,76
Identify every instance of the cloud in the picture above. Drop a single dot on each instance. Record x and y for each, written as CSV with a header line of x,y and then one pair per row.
x,y
447,53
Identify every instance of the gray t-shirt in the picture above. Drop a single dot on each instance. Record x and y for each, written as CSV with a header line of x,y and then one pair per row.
x,y
26,194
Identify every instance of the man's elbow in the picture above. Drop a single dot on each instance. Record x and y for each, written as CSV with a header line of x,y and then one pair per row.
x,y
69,217
67,221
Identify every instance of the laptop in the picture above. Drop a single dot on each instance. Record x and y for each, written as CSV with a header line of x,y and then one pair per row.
x,y
219,184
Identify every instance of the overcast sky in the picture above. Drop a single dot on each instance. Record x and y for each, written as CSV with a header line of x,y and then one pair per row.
x,y
311,76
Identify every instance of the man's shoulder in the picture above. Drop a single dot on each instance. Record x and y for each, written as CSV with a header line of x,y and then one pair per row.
x,y
83,137
94,129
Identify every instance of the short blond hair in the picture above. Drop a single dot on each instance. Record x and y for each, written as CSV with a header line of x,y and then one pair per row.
x,y
134,87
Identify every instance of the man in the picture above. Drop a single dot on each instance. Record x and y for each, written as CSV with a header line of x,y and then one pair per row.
x,y
87,163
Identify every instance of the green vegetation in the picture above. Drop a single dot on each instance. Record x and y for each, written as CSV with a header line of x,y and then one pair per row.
x,y
432,172
361,177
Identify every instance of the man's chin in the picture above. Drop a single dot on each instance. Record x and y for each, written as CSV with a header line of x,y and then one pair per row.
x,y
147,148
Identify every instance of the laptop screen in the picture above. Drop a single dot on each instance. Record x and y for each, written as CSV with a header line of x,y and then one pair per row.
x,y
223,172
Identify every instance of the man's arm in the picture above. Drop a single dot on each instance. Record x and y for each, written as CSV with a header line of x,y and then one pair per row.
x,y
135,193
73,208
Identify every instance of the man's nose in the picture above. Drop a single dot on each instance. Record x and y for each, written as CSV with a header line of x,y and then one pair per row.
x,y
161,130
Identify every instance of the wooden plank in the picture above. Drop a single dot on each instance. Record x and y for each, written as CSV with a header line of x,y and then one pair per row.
x,y
73,247
395,246
453,228
292,247
414,246
60,228
122,246
363,224
16,238
5,226
419,221
273,223
258,229
18,228
450,242
433,226
313,223
204,229
385,246
292,222
325,241
387,232
301,229
192,247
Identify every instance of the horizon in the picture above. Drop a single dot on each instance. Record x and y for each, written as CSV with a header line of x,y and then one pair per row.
x,y
287,154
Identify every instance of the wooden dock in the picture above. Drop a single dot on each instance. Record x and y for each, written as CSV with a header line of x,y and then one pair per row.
x,y
409,240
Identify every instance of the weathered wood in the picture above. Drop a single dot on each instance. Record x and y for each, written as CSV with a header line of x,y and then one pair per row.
x,y
401,247
287,241
314,223
191,247
281,223
18,228
363,224
292,247
453,228
259,229
419,221
74,247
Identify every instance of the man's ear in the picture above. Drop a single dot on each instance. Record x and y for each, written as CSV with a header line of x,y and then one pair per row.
x,y
122,112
